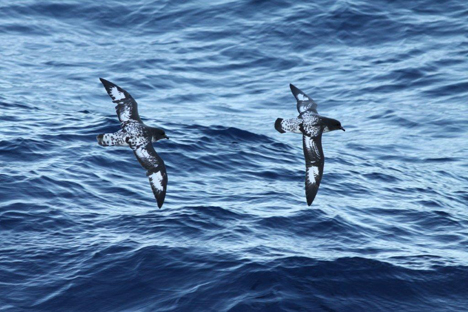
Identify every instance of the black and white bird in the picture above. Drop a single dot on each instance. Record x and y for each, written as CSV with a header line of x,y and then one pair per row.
x,y
139,137
311,125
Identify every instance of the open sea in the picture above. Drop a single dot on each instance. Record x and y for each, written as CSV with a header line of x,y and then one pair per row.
x,y
79,226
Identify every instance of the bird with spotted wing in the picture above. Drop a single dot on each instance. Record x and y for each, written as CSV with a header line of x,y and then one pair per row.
x,y
311,125
139,137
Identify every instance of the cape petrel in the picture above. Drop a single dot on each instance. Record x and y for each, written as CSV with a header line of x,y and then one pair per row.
x,y
139,137
311,125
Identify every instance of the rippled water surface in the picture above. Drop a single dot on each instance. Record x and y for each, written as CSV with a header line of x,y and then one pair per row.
x,y
80,229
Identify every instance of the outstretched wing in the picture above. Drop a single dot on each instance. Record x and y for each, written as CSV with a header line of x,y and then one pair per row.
x,y
314,159
156,170
304,102
288,125
127,107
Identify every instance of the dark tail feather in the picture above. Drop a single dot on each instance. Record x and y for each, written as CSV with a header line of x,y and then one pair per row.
x,y
278,125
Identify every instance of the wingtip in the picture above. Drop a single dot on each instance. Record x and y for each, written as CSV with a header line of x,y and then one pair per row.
x,y
100,139
116,95
105,82
295,91
310,196
278,126
159,198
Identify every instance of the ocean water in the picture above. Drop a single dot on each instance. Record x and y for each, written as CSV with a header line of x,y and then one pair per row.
x,y
81,231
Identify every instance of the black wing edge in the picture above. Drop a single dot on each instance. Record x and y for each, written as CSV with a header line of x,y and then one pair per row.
x,y
278,125
304,102
296,91
159,195
109,85
311,190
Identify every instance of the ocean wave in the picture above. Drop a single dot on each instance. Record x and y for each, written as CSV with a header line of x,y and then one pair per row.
x,y
80,226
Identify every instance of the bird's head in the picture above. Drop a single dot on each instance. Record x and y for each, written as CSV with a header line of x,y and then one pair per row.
x,y
158,134
332,124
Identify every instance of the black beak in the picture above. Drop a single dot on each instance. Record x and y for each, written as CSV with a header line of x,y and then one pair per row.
x,y
343,129
166,137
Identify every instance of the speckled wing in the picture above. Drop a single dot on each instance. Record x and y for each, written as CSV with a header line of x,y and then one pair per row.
x,y
127,107
156,170
288,125
304,102
314,159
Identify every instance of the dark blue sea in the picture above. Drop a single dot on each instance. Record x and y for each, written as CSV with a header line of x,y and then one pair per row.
x,y
79,226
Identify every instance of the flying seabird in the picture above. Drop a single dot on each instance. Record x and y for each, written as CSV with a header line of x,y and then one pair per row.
x,y
139,137
311,125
